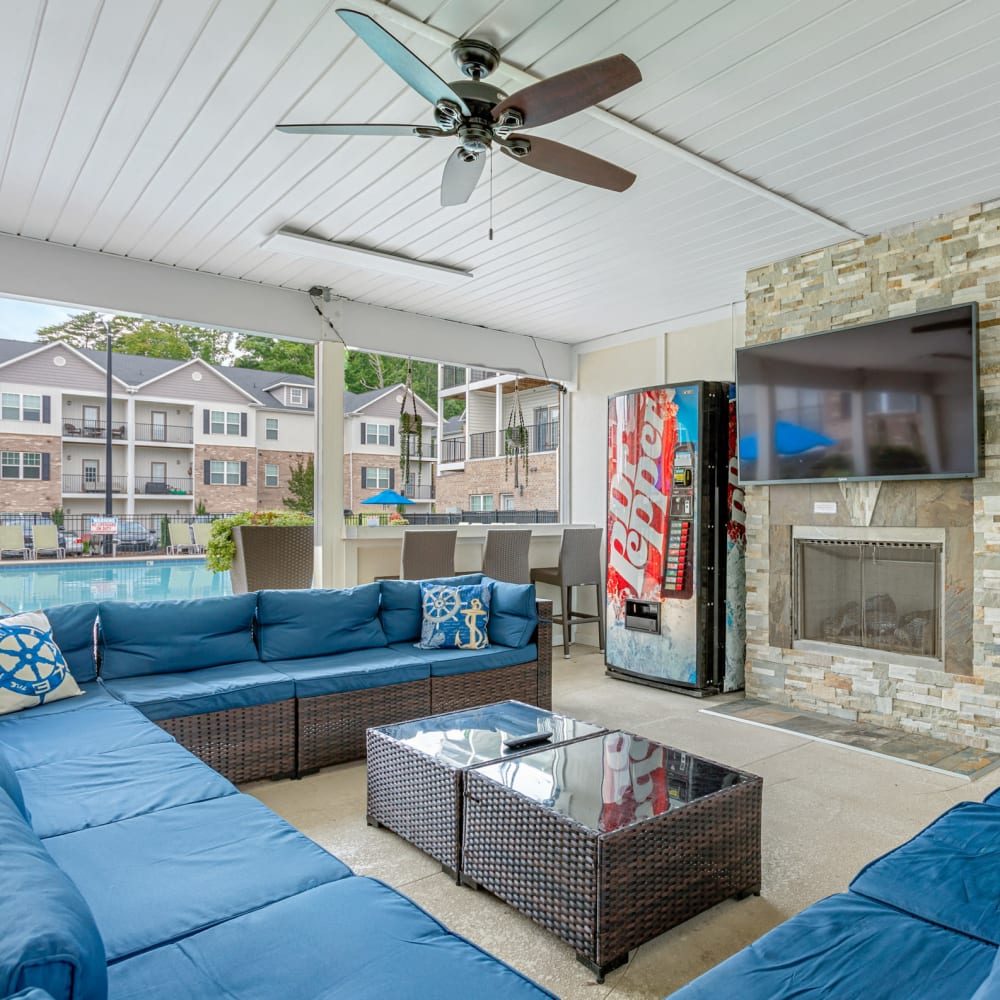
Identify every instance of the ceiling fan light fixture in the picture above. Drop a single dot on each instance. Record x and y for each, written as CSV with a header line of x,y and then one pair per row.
x,y
284,241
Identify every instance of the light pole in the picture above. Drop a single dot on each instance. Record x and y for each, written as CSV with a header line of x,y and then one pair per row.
x,y
107,424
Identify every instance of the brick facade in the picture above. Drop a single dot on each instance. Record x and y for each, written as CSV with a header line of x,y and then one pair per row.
x,y
33,494
354,489
272,497
225,499
490,475
931,265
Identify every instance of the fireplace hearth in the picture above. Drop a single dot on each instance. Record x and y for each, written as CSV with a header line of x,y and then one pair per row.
x,y
883,596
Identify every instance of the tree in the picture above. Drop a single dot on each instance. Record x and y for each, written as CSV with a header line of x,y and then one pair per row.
x,y
270,354
148,338
364,371
300,487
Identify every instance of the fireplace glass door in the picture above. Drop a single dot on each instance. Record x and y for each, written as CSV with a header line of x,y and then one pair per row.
x,y
883,596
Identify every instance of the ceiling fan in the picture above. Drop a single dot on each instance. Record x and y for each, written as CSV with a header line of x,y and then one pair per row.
x,y
479,115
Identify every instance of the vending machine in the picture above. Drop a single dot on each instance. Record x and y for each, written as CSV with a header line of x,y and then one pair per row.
x,y
675,541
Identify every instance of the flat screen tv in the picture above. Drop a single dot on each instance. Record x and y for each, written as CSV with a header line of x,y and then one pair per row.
x,y
896,399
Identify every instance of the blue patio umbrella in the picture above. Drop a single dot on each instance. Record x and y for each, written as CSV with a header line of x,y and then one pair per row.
x,y
388,497
789,439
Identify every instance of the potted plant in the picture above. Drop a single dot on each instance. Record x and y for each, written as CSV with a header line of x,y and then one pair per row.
x,y
263,550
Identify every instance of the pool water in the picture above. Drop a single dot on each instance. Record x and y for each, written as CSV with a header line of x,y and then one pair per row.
x,y
27,586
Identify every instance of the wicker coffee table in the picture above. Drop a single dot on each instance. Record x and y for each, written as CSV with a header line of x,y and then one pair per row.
x,y
416,769
611,840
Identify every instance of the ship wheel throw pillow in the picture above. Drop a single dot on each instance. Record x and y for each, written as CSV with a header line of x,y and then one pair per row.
x,y
33,671
454,617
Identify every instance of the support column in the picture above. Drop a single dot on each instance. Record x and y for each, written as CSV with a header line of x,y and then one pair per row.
x,y
130,472
329,465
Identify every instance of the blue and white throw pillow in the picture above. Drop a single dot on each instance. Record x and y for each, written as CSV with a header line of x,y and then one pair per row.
x,y
33,670
454,617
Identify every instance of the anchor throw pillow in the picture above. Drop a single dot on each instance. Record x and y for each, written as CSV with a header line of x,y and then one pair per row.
x,y
454,617
33,671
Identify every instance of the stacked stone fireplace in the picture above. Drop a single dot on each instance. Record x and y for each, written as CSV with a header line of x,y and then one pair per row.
x,y
880,601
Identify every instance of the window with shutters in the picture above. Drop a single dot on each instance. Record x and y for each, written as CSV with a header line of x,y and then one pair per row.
x,y
376,434
376,479
271,428
224,473
15,406
21,465
270,475
225,422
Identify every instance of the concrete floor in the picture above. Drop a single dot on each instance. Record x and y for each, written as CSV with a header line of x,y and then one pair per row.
x,y
827,811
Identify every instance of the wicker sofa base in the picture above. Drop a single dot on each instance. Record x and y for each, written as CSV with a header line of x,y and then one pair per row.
x,y
331,728
483,687
244,744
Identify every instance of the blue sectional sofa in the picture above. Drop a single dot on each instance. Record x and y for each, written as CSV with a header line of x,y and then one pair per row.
x,y
284,682
919,922
130,869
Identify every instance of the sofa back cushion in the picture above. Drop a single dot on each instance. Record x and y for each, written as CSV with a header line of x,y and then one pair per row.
x,y
73,631
513,615
158,637
49,939
292,624
402,612
10,784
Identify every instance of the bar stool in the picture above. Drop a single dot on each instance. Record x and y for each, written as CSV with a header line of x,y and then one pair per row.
x,y
579,566
506,555
427,554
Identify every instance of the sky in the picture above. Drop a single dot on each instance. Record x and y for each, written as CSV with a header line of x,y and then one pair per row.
x,y
21,320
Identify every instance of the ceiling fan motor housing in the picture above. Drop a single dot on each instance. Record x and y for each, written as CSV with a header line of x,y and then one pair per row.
x,y
475,58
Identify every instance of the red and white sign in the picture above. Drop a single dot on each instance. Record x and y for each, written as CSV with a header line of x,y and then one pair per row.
x,y
104,525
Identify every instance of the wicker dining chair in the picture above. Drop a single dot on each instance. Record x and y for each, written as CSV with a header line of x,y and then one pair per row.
x,y
579,566
427,554
506,555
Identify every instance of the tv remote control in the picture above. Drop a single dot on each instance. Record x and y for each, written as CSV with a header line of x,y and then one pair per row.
x,y
528,740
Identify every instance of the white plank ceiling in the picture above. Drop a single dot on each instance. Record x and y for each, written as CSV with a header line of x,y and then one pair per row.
x,y
144,128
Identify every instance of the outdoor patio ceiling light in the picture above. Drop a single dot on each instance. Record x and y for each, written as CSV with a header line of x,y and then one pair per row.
x,y
283,241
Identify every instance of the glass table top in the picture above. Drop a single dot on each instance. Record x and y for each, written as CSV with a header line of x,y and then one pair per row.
x,y
607,782
472,736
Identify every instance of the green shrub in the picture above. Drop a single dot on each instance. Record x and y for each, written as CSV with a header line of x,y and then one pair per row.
x,y
221,548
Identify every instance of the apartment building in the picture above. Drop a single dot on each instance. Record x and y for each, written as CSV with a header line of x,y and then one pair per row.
x,y
474,472
183,433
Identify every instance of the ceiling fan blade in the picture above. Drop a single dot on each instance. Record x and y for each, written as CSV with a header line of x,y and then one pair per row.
x,y
555,158
422,131
460,178
400,59
572,91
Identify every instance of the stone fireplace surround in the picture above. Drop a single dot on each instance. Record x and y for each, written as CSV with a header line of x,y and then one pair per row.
x,y
932,265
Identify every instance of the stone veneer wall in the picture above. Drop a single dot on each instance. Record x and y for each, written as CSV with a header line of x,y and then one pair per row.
x,y
945,261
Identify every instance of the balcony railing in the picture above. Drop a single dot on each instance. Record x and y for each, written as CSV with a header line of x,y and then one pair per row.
x,y
479,374
425,491
173,486
490,444
452,450
429,450
93,430
452,375
166,433
483,445
76,483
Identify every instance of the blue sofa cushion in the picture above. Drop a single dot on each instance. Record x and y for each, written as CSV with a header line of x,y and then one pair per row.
x,y
993,798
73,629
31,993
93,691
156,637
33,670
401,611
300,623
29,739
364,668
49,938
454,617
355,938
959,856
157,877
10,784
445,662
77,794
989,989
213,689
850,948
513,613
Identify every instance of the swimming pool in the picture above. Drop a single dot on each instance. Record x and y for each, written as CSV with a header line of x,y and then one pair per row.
x,y
26,586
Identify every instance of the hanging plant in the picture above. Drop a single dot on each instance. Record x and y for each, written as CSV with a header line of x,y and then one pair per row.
x,y
411,437
515,441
